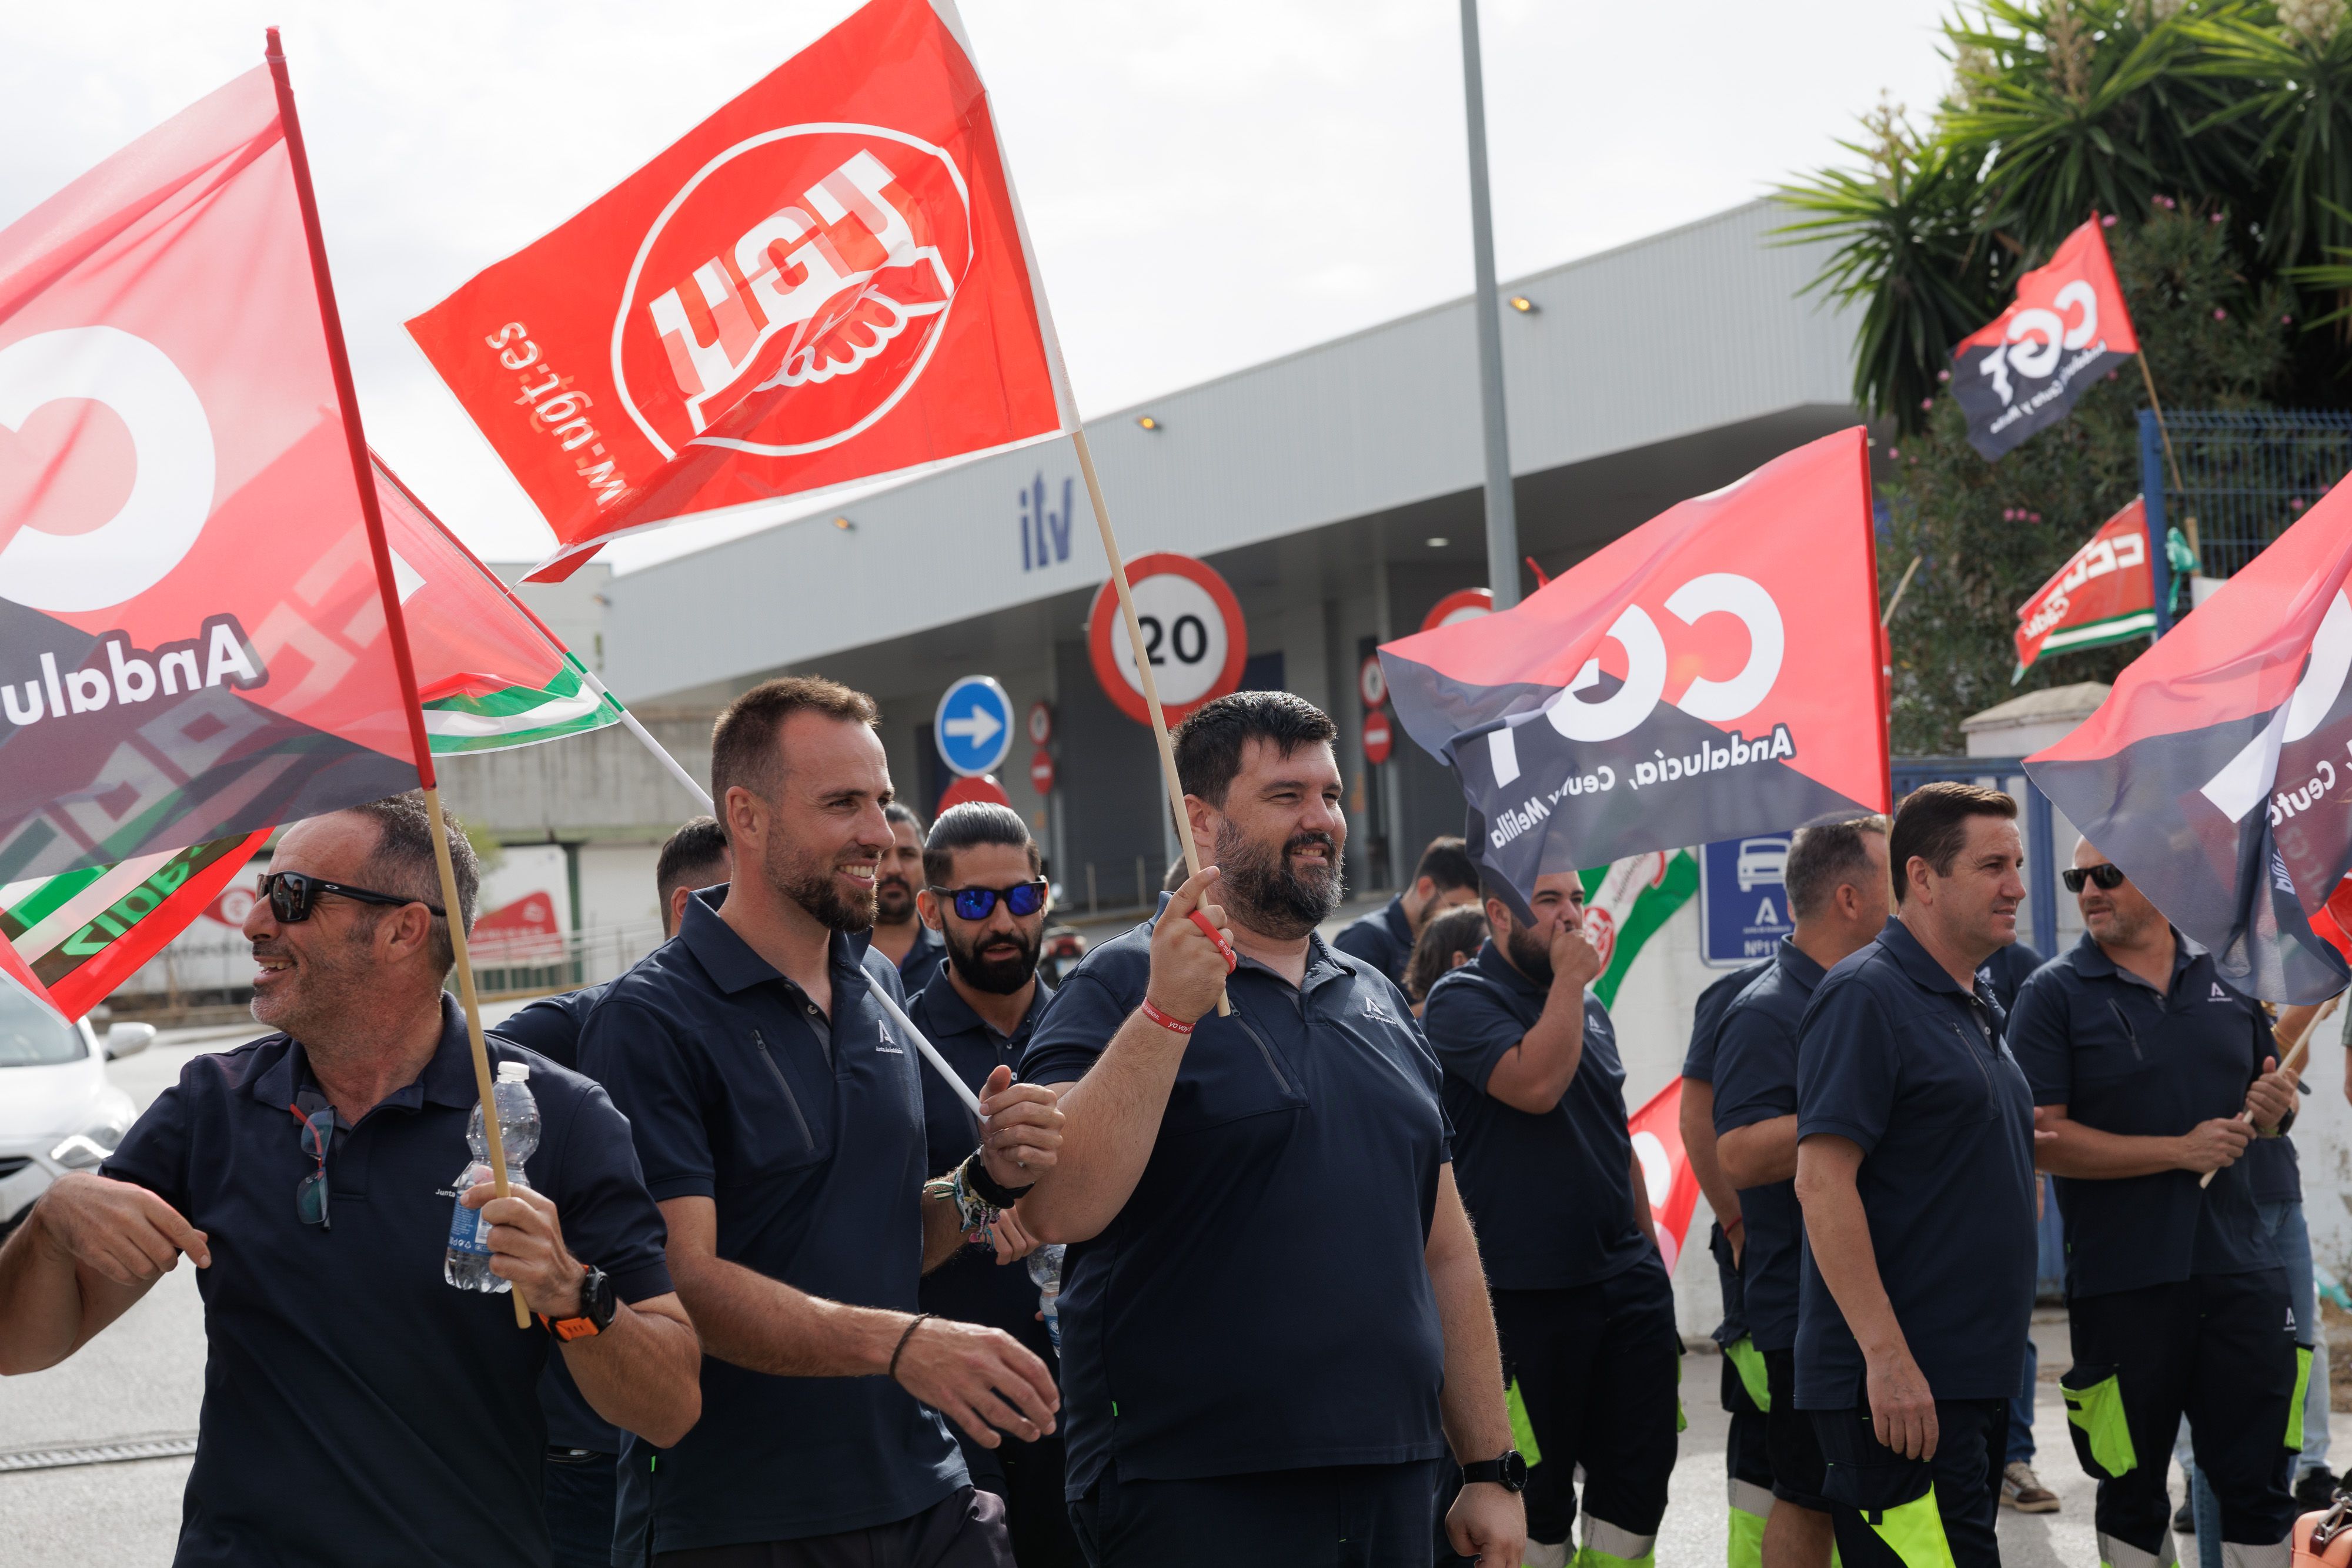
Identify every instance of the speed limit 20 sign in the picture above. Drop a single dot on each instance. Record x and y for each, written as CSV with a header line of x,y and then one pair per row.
x,y
1192,633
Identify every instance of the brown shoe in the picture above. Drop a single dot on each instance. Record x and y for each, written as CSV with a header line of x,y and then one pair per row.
x,y
2020,1491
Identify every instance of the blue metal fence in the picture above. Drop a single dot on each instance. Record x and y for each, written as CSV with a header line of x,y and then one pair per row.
x,y
2244,479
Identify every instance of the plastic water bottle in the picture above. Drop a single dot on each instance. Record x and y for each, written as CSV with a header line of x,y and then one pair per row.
x,y
1046,1273
467,1265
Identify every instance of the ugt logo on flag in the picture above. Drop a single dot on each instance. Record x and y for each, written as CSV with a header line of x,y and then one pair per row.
x,y
826,281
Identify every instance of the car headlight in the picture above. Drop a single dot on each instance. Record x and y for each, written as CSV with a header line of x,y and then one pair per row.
x,y
90,1148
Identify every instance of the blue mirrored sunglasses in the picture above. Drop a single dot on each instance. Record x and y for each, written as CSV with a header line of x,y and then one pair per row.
x,y
1023,899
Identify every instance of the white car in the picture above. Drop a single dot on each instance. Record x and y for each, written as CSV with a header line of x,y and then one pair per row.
x,y
58,1110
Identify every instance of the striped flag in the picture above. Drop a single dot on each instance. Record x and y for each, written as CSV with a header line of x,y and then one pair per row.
x,y
491,676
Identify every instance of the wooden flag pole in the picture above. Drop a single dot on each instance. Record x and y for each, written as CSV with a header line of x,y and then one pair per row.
x,y
395,624
1142,664
2293,1063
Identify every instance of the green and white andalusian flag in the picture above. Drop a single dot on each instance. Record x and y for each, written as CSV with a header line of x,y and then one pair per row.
x,y
1626,903
491,676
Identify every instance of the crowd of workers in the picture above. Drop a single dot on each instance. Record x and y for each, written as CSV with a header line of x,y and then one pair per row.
x,y
1355,1258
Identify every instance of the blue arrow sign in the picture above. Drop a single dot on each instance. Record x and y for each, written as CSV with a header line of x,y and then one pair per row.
x,y
973,727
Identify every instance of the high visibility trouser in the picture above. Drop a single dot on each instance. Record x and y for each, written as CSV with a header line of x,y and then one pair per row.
x,y
2218,1348
1893,1512
1747,1453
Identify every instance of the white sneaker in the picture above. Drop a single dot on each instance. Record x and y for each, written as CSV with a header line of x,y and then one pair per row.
x,y
2020,1491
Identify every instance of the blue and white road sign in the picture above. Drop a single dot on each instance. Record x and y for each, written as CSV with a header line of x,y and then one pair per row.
x,y
974,726
1744,908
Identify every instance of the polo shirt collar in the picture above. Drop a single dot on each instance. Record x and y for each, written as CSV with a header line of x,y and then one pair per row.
x,y
447,1079
729,961
1799,966
1917,962
2088,958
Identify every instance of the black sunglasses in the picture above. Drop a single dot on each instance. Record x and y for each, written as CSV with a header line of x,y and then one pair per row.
x,y
1023,899
311,1192
2107,876
291,895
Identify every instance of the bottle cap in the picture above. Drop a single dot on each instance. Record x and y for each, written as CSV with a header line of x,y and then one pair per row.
x,y
513,1072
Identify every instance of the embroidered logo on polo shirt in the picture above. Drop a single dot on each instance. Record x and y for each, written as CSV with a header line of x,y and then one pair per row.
x,y
887,1046
2219,994
1372,1009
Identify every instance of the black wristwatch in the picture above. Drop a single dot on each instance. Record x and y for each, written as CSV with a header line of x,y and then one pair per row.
x,y
1509,1472
597,1305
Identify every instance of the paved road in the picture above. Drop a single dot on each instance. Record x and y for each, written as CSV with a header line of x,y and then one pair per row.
x,y
145,1376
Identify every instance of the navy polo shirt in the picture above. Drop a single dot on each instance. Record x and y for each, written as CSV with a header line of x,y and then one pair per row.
x,y
2006,971
1551,1194
2273,1175
972,1286
2100,1041
807,1134
1261,1303
1706,1019
354,1402
1756,1081
921,962
1383,939
1894,1056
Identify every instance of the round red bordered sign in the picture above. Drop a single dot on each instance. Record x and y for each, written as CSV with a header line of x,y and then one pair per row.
x,y
984,788
1041,723
1371,681
1040,772
1463,605
1192,633
1379,738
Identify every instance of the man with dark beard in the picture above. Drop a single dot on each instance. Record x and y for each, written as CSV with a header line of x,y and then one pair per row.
x,y
900,934
1273,1320
778,1113
1535,1090
984,897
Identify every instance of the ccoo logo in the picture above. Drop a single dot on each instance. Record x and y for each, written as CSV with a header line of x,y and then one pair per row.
x,y
792,291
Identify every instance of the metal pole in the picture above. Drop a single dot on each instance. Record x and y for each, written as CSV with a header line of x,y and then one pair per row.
x,y
2151,497
1502,518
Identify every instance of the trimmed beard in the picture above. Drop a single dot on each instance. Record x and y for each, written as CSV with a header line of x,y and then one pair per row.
x,y
894,899
814,889
1528,956
1259,888
1001,975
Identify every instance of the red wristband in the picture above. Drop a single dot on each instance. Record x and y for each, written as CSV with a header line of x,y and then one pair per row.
x,y
1155,1015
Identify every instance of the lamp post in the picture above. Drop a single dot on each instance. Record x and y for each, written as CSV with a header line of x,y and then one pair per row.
x,y
1502,518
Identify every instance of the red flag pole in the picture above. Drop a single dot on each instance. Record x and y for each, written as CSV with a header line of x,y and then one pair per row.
x,y
395,624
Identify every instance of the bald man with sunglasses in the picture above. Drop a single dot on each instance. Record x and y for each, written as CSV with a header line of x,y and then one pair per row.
x,y
359,1409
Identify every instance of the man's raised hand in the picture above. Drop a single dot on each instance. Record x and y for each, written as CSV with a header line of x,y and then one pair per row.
x,y
1019,1128
1575,961
1189,969
117,1230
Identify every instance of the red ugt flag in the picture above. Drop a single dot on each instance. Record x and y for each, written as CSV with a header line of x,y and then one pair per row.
x,y
193,644
2066,328
2104,593
826,281
2215,772
1711,675
1666,1170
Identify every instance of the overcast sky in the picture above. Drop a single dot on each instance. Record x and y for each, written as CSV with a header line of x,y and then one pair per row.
x,y
1208,185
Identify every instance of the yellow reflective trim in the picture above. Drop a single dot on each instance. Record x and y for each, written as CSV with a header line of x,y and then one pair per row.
x,y
1746,1543
1523,1433
2098,1412
1915,1532
1748,1362
2302,1387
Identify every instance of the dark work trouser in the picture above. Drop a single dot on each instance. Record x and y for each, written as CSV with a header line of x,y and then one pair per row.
x,y
579,1489
1893,1512
1746,1450
1028,1477
2218,1348
1598,1367
1339,1516
964,1529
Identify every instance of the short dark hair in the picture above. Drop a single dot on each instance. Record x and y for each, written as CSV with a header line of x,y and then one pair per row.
x,y
1824,857
1932,824
1447,863
972,823
1460,929
1209,744
898,811
401,863
743,742
687,855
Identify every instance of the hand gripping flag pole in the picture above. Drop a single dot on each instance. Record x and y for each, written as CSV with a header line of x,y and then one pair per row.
x,y
2292,1063
364,474
1142,666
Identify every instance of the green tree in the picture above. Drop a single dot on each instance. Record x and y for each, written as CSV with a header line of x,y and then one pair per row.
x,y
2215,138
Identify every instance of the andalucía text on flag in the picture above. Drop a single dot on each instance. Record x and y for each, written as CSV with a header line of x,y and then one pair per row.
x,y
2066,328
826,281
2104,593
1713,674
2214,773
